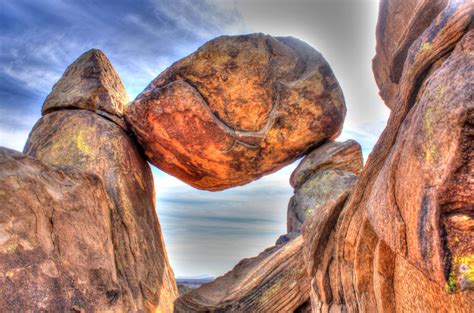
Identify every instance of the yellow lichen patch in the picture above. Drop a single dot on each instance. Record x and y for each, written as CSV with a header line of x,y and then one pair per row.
x,y
10,274
462,274
12,248
431,151
81,143
440,92
425,47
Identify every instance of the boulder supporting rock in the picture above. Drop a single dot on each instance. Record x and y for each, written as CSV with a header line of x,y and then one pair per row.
x,y
85,141
238,108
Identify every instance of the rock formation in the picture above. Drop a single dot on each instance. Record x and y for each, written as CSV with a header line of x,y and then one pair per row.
x,y
238,108
404,239
56,249
325,174
83,140
78,227
274,281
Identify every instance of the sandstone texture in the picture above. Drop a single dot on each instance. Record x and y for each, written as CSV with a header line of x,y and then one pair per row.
x,y
325,175
238,108
89,83
403,241
274,281
345,156
83,140
56,249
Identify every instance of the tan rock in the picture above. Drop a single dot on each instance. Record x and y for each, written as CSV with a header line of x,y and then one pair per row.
x,y
238,108
88,142
89,83
85,141
404,239
274,281
346,156
56,249
323,187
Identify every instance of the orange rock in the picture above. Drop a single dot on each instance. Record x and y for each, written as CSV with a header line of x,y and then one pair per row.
x,y
404,239
238,108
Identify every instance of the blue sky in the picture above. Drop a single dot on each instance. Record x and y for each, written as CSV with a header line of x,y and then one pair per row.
x,y
205,232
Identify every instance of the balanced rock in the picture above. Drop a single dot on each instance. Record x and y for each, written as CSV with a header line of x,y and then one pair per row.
x,y
238,108
404,239
274,281
56,247
85,141
89,83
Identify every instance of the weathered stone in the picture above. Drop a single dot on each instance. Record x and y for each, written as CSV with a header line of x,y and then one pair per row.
x,y
404,239
56,251
287,237
399,24
88,142
274,281
238,108
89,83
323,187
346,156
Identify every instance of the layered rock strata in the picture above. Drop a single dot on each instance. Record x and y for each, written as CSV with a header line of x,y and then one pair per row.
x,y
404,239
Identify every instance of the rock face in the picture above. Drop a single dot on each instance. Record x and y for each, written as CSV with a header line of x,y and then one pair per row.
x,y
404,239
324,175
85,141
345,156
89,83
274,281
238,108
56,250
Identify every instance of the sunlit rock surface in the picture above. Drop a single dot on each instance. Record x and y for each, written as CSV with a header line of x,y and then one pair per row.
x,y
85,141
238,108
404,238
56,248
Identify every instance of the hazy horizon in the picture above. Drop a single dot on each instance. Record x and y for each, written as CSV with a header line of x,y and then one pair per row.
x,y
205,232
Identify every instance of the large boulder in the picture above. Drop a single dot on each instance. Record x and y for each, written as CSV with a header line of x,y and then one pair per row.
x,y
274,281
238,108
88,142
404,240
56,247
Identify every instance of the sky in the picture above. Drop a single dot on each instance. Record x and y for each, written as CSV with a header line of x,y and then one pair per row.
x,y
205,232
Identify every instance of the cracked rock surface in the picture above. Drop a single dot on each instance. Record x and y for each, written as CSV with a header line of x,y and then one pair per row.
x,y
236,109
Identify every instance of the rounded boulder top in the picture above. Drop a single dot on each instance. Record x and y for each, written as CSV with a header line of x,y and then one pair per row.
x,y
238,108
